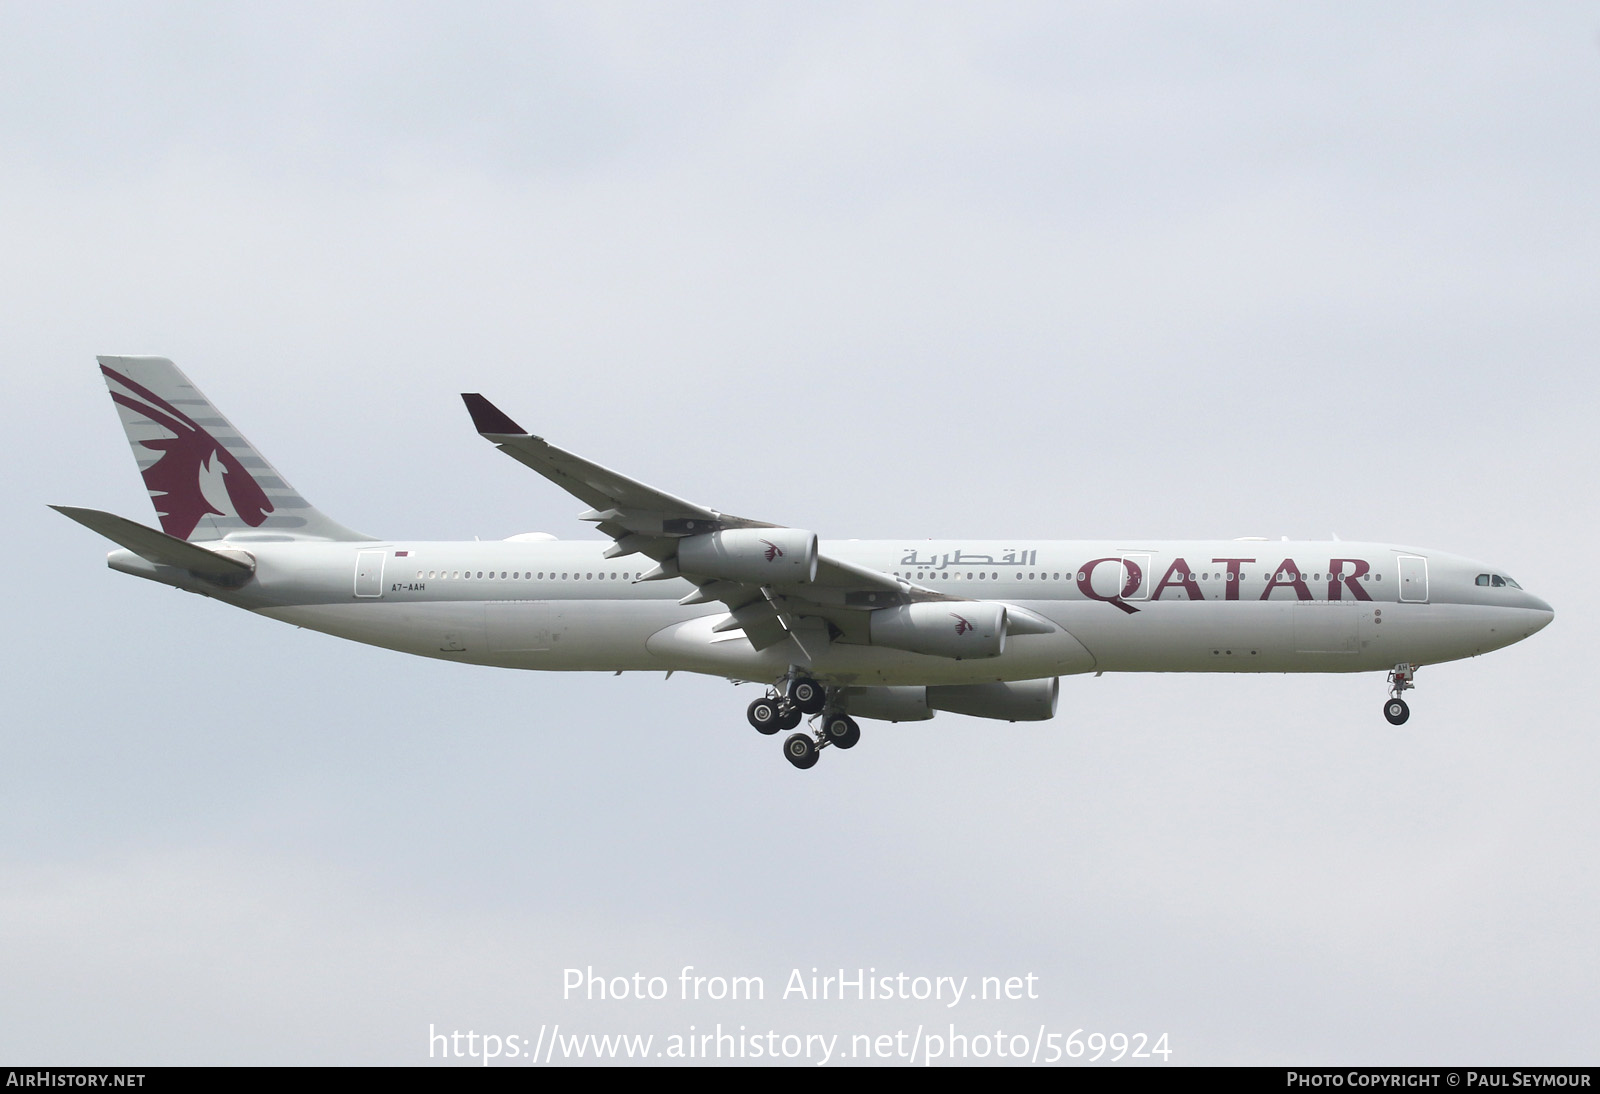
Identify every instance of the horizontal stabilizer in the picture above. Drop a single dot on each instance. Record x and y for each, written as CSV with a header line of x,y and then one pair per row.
x,y
158,547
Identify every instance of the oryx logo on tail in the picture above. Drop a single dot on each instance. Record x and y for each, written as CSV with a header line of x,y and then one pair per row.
x,y
189,460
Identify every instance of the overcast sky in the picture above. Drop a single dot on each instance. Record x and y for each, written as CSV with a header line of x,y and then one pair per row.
x,y
890,270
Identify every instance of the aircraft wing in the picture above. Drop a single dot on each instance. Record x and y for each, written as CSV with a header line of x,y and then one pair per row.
x,y
766,574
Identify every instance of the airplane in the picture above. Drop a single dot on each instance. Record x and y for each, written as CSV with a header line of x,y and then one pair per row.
x,y
891,630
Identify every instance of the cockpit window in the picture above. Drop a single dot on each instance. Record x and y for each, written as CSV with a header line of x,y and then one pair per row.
x,y
1483,579
1497,581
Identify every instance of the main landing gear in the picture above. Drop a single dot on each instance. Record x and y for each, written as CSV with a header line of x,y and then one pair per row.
x,y
772,714
838,730
784,709
1400,679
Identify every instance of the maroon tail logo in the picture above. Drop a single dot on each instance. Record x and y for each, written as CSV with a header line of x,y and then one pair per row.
x,y
963,625
773,550
174,480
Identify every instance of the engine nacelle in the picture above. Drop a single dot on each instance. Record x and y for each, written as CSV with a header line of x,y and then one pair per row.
x,y
760,556
955,628
888,704
1015,701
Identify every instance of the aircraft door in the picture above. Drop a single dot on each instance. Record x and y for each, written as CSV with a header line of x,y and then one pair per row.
x,y
369,573
1413,579
1136,580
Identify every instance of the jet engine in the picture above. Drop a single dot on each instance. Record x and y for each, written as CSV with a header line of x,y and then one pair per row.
x,y
1012,701
958,629
761,556
1018,701
888,704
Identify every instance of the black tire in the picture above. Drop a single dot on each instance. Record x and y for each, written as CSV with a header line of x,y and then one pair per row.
x,y
765,716
800,750
1396,711
808,695
791,717
841,731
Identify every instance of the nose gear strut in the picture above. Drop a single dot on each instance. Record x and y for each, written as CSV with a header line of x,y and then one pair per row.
x,y
1400,679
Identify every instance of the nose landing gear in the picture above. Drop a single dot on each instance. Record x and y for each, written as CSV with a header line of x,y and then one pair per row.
x,y
1400,679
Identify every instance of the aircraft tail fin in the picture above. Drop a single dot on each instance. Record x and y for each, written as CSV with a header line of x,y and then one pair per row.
x,y
205,479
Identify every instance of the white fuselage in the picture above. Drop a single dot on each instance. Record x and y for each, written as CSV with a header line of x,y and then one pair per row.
x,y
1185,606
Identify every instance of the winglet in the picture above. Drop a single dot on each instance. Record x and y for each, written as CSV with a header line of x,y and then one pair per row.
x,y
488,418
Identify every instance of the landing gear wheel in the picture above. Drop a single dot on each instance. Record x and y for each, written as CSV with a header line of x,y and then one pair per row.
x,y
766,716
808,695
800,750
841,731
791,717
1402,678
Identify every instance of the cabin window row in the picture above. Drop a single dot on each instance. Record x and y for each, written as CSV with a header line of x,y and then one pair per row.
x,y
523,575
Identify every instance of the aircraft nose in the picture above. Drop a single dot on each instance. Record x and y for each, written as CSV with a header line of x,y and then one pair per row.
x,y
1541,612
